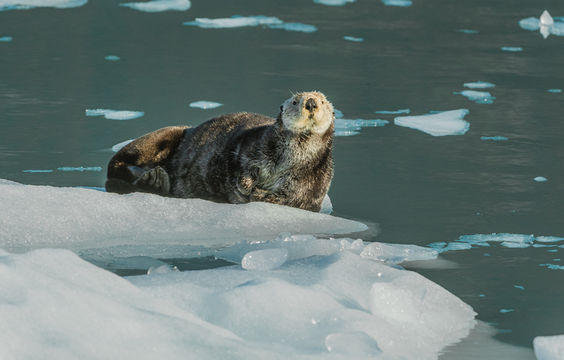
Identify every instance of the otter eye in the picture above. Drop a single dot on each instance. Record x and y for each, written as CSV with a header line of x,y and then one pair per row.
x,y
294,102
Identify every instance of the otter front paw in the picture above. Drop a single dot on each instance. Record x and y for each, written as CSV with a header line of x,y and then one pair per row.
x,y
155,180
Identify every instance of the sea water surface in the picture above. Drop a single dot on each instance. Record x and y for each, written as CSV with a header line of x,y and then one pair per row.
x,y
420,189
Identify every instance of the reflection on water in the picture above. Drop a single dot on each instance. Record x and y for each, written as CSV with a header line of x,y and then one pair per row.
x,y
420,188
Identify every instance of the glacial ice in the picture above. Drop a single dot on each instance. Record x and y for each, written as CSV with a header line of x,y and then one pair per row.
x,y
119,146
549,347
504,239
549,239
6,38
479,85
494,138
520,287
112,58
540,179
546,24
115,114
440,124
402,3
353,38
38,171
139,224
203,104
348,127
505,311
30,4
554,91
552,266
479,97
263,260
468,31
393,112
159,5
242,21
80,168
511,48
333,2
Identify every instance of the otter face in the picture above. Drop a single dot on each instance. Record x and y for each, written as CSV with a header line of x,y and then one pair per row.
x,y
307,112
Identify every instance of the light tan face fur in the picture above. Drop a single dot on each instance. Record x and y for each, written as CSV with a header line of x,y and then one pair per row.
x,y
307,112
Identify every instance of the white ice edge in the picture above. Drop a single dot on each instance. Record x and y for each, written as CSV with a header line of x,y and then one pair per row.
x,y
159,5
144,224
440,124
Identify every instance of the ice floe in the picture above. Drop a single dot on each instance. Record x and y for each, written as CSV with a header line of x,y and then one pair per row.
x,y
402,3
540,179
203,104
319,307
117,147
30,4
6,38
546,24
508,240
511,48
38,171
159,5
144,224
479,85
549,347
520,287
468,31
393,112
349,127
505,311
494,138
112,58
554,91
353,38
80,168
333,2
244,21
439,124
479,97
115,114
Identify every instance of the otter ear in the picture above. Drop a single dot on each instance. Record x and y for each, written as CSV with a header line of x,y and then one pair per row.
x,y
281,108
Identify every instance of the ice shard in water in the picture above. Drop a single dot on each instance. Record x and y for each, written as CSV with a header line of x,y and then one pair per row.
x,y
159,5
441,124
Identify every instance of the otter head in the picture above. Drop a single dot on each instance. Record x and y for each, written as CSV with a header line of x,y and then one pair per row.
x,y
307,112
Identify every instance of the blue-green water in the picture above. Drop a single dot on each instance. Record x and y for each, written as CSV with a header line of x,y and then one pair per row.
x,y
420,189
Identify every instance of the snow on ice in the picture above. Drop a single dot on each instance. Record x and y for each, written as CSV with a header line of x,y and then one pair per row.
x,y
440,124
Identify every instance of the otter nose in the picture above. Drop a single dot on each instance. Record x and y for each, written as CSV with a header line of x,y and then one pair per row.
x,y
310,104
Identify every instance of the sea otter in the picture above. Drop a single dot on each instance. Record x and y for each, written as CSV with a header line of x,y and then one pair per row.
x,y
236,158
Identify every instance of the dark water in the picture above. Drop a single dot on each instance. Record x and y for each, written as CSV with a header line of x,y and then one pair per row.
x,y
419,188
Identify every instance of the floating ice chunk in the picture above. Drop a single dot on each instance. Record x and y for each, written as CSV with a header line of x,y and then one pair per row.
x,y
333,2
468,31
452,246
353,38
145,224
112,58
506,239
511,48
203,104
494,138
348,127
38,171
479,97
159,5
263,260
115,114
554,91
549,347
121,145
6,38
338,113
540,179
393,112
234,22
546,19
80,168
326,205
397,253
530,23
352,344
402,3
306,28
549,239
505,311
479,85
440,124
520,287
30,4
162,269
553,266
